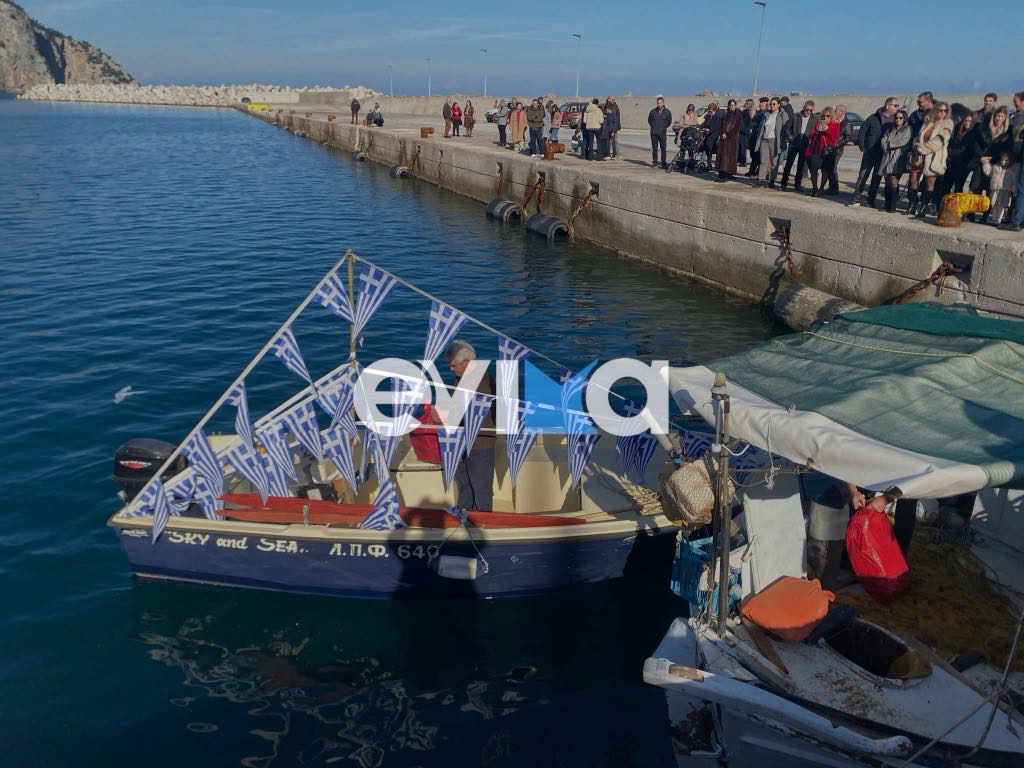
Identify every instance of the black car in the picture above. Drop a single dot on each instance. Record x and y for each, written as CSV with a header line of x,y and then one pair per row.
x,y
856,123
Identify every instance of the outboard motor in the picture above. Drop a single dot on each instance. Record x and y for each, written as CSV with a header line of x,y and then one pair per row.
x,y
137,461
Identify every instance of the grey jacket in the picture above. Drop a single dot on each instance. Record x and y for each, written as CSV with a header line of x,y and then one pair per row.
x,y
781,134
895,146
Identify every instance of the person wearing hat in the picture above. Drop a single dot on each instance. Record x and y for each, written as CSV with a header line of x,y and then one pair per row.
x,y
753,135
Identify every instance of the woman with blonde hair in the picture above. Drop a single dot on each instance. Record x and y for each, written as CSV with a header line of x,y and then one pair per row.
x,y
930,155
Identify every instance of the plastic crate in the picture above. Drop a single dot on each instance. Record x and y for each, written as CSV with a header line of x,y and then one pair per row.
x,y
691,560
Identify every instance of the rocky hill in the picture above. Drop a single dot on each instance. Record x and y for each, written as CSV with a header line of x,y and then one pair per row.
x,y
31,54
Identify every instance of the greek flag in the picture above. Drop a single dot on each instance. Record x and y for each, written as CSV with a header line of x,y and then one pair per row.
x,y
452,443
154,500
333,295
384,516
204,461
572,387
181,490
339,451
348,423
250,466
582,437
624,443
508,351
695,444
286,349
301,422
207,499
445,321
338,400
243,427
644,446
477,410
374,286
517,446
368,447
272,439
405,397
277,478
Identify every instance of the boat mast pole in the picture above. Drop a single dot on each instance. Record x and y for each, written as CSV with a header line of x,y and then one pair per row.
x,y
720,396
241,377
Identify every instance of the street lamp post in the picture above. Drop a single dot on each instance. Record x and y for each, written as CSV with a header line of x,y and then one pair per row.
x,y
760,34
484,52
579,40
391,82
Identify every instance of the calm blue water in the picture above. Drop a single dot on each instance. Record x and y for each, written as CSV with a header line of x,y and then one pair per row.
x,y
159,248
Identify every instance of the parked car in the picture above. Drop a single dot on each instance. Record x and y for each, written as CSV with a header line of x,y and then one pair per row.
x,y
572,111
491,115
856,123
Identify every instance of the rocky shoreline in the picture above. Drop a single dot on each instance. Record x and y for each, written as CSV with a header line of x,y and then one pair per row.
x,y
179,95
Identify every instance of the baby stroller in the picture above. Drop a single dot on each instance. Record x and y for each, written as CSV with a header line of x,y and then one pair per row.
x,y
690,154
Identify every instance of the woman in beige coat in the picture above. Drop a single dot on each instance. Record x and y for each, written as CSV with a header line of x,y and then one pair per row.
x,y
930,154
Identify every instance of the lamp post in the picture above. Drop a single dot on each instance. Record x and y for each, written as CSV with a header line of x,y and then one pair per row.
x,y
579,40
428,77
760,34
484,52
391,82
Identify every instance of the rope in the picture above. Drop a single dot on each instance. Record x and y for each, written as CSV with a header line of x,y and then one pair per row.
x,y
980,363
938,277
586,205
463,523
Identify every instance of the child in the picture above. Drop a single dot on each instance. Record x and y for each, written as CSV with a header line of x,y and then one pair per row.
x,y
576,142
1001,187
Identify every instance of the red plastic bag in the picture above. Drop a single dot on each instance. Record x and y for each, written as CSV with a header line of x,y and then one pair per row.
x,y
424,439
789,608
875,555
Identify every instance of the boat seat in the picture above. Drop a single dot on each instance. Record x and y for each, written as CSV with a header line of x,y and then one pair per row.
x,y
838,616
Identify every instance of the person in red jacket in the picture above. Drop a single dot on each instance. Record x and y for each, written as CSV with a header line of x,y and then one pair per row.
x,y
456,119
820,150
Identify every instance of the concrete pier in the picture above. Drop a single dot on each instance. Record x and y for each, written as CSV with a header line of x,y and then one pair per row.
x,y
721,234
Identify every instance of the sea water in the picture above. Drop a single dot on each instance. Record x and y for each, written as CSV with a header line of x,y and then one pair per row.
x,y
158,249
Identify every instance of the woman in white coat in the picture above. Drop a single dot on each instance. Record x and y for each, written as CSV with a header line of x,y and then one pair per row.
x,y
930,154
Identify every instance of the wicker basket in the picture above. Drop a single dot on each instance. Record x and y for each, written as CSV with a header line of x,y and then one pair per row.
x,y
688,493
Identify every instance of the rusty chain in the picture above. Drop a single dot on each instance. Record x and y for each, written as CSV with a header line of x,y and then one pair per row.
x,y
782,235
539,189
586,205
501,179
938,277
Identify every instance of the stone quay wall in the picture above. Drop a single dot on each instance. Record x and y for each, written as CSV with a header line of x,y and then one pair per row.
x,y
723,235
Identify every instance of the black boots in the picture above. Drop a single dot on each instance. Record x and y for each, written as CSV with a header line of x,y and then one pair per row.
x,y
890,199
922,206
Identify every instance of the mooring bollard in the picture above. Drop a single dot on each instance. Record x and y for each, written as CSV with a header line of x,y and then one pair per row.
x,y
425,132
955,204
331,117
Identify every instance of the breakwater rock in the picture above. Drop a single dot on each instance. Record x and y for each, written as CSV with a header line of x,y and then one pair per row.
x,y
185,95
32,54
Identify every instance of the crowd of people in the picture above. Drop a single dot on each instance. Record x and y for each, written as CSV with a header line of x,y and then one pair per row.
x,y
939,148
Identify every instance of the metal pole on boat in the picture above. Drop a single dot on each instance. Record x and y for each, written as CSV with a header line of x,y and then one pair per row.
x,y
720,397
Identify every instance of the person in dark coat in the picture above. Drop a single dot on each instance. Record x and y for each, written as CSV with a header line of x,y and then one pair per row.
x,y
712,125
994,138
728,141
799,132
925,102
660,120
869,141
753,135
746,115
355,111
960,160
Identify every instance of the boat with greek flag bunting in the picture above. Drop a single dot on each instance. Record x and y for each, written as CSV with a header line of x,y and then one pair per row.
x,y
463,490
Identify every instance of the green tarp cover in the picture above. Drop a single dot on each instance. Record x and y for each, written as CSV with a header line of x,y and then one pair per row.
x,y
935,380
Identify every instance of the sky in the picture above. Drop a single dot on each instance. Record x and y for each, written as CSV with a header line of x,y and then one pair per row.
x,y
636,46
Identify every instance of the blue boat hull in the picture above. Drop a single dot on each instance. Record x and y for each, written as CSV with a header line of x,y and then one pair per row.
x,y
391,565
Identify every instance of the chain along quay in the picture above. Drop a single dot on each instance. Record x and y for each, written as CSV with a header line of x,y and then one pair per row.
x,y
808,259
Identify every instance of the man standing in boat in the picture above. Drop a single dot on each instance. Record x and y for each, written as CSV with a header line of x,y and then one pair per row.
x,y
475,474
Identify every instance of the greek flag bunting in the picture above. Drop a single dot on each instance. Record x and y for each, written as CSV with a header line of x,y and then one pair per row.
x,y
445,321
333,295
301,422
338,450
477,410
384,515
243,427
624,443
582,437
695,444
517,446
250,465
508,351
406,396
374,286
452,444
204,461
348,423
271,437
277,478
181,489
338,401
207,500
644,447
572,386
367,448
286,349
154,500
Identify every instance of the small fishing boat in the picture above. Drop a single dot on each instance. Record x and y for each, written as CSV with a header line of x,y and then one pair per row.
x,y
279,502
919,402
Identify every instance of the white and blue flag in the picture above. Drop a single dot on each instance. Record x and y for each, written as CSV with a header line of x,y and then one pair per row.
x,y
517,446
207,500
243,427
374,286
624,443
154,500
695,444
181,490
458,513
271,437
204,461
384,516
338,451
644,446
476,412
286,349
445,321
452,444
581,439
333,295
301,422
508,351
277,478
249,464
406,396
